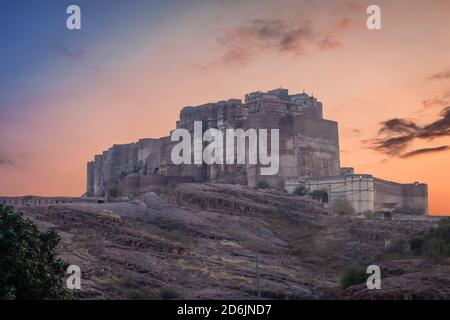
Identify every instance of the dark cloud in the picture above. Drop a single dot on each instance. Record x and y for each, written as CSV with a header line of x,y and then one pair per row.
x,y
5,162
71,53
398,126
329,44
392,146
352,132
439,128
425,151
294,40
76,54
344,24
440,75
443,98
244,43
396,135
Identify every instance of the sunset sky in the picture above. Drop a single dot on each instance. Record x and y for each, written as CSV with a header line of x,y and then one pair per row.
x,y
68,95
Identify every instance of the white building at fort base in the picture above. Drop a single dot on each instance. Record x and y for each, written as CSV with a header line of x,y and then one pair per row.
x,y
366,193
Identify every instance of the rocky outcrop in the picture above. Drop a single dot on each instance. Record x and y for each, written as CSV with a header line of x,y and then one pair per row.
x,y
186,239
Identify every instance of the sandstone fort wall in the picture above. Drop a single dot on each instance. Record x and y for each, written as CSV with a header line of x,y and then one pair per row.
x,y
309,145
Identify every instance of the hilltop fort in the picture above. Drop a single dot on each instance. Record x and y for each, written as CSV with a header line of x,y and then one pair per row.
x,y
308,156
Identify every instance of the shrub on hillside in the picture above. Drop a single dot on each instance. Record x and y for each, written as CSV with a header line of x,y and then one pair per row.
x,y
354,275
434,245
320,195
342,207
369,214
397,245
168,294
416,245
301,191
263,185
113,193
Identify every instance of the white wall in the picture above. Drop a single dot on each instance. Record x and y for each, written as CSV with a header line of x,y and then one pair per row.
x,y
357,189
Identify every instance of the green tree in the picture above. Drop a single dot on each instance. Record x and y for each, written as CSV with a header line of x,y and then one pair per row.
x,y
29,269
169,294
416,245
301,191
113,193
320,195
263,184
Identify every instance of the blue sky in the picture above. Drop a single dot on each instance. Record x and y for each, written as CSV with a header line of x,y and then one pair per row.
x,y
37,50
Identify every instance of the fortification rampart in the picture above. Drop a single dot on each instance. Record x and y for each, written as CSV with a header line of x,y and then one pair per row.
x,y
25,201
410,198
143,184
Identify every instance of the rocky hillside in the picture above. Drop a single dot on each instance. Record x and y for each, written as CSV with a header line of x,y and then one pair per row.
x,y
185,242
